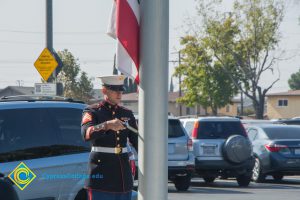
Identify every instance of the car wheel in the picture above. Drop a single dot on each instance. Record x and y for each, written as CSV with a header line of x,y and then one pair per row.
x,y
243,180
209,179
277,177
182,183
257,175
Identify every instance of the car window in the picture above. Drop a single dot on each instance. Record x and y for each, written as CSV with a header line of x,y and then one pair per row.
x,y
68,122
219,129
175,128
282,132
24,128
252,133
39,132
189,127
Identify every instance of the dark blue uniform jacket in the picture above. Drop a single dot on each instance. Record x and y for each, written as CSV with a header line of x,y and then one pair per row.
x,y
109,172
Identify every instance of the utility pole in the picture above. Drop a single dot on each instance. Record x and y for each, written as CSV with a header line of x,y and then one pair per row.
x,y
19,83
115,71
179,62
242,104
49,31
179,79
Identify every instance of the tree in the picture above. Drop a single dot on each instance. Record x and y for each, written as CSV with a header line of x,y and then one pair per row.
x,y
204,81
294,81
85,88
243,42
78,88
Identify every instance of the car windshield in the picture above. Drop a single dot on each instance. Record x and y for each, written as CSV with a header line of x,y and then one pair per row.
x,y
219,129
287,132
54,131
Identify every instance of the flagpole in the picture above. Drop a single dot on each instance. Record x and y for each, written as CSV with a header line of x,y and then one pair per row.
x,y
153,100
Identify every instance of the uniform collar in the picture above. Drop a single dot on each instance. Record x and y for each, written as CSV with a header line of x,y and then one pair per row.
x,y
108,105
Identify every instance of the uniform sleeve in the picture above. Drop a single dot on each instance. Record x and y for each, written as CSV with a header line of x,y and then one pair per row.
x,y
87,125
133,137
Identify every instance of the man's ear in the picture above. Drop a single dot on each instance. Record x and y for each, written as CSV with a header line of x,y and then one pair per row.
x,y
104,90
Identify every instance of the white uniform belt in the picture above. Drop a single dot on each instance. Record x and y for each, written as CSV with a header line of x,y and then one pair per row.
x,y
115,150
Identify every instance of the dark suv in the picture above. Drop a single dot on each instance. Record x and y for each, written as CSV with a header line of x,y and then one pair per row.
x,y
44,134
221,148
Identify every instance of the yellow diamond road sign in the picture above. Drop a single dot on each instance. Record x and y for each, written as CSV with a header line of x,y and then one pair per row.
x,y
46,64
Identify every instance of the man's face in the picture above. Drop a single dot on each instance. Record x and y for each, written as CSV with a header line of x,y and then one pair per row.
x,y
112,96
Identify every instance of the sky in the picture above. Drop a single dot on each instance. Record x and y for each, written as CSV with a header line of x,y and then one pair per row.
x,y
80,26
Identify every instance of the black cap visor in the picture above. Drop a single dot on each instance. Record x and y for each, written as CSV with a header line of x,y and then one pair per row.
x,y
116,88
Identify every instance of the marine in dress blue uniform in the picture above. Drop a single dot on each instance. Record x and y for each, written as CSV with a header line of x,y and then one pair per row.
x,y
110,176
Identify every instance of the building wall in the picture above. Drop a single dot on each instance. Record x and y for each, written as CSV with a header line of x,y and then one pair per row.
x,y
228,110
231,110
291,110
173,109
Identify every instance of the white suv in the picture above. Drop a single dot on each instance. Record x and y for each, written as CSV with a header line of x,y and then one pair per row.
x,y
221,148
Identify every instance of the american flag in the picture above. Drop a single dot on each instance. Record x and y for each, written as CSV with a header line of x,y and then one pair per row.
x,y
124,26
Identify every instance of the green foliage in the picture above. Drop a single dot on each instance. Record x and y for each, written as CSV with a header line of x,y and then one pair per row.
x,y
294,81
241,42
78,88
248,112
204,82
85,90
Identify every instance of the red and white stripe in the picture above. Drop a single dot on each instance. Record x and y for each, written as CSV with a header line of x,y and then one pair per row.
x,y
124,27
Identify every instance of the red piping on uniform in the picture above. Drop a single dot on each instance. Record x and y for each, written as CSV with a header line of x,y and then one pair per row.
x,y
90,194
108,191
122,173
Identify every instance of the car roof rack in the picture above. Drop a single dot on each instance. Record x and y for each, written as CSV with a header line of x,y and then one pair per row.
x,y
32,98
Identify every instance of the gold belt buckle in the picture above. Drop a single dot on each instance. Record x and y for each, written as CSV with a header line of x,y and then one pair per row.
x,y
118,150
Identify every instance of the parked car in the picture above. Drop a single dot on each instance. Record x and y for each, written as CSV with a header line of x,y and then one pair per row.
x,y
44,133
249,122
276,149
221,148
181,161
292,121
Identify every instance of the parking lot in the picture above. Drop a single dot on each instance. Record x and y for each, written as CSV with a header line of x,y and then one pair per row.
x,y
289,188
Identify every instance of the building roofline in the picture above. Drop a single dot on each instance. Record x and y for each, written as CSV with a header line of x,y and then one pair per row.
x,y
287,93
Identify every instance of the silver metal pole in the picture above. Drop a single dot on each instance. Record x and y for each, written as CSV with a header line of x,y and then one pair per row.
x,y
49,30
153,100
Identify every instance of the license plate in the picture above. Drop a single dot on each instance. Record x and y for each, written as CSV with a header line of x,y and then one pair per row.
x,y
297,151
209,150
171,148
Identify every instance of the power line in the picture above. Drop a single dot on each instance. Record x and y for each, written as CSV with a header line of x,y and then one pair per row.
x,y
57,43
43,32
32,61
